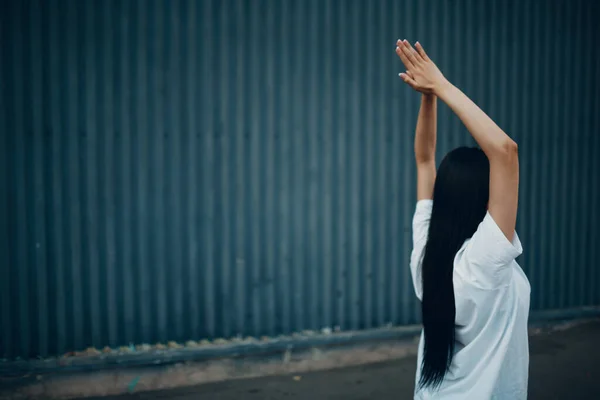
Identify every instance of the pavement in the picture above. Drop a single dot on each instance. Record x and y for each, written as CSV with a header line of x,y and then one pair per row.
x,y
564,364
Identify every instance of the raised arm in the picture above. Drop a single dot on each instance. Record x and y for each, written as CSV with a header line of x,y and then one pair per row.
x,y
425,138
424,76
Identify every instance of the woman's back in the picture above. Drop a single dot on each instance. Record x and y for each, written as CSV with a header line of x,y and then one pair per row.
x,y
491,356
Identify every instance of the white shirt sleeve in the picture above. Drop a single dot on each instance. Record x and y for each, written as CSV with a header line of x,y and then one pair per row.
x,y
489,255
420,226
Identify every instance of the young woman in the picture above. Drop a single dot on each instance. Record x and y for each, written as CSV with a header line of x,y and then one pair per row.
x,y
474,296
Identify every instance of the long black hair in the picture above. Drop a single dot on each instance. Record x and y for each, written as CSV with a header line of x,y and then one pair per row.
x,y
460,198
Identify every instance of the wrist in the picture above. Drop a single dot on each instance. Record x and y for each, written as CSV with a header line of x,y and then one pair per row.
x,y
442,88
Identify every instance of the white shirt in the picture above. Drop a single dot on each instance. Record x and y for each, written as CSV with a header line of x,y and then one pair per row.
x,y
491,356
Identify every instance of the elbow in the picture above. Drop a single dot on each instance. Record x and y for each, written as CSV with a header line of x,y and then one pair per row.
x,y
511,147
425,155
424,159
508,150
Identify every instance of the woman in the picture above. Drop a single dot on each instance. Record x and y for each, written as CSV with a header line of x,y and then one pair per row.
x,y
474,296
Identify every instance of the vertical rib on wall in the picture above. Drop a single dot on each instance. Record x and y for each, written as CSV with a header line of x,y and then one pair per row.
x,y
176,170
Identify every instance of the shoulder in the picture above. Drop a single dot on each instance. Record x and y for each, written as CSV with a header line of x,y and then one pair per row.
x,y
486,259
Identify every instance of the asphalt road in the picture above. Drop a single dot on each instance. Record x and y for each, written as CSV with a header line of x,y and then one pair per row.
x,y
564,364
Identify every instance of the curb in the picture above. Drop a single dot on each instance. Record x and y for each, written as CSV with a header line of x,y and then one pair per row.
x,y
234,350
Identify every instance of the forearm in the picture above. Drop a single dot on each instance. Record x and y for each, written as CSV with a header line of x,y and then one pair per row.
x,y
491,138
425,134
501,152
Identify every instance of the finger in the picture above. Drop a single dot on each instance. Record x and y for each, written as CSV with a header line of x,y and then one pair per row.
x,y
421,51
410,53
417,57
408,80
401,50
403,57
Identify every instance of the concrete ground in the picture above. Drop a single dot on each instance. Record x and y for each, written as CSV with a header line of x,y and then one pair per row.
x,y
564,364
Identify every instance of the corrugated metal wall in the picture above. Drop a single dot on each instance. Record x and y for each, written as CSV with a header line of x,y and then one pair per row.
x,y
176,170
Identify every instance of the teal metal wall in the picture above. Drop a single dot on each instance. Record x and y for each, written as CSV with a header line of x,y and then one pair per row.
x,y
174,170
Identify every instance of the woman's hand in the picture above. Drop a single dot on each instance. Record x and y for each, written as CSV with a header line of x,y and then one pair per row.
x,y
421,73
